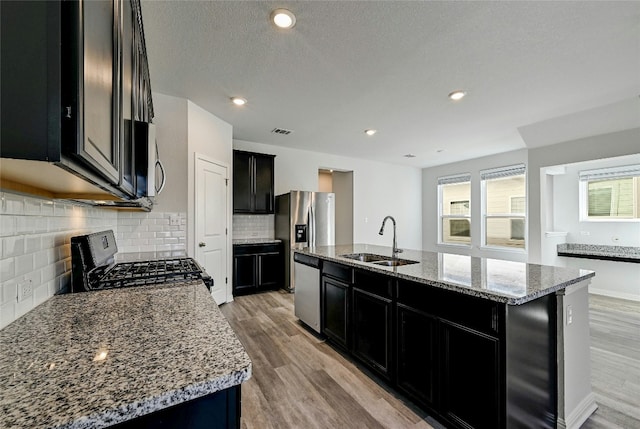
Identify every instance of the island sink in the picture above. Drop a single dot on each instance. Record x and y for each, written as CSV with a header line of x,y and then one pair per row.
x,y
378,259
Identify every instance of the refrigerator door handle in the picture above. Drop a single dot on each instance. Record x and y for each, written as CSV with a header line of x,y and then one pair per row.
x,y
312,226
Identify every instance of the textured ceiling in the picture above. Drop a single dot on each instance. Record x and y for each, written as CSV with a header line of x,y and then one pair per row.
x,y
351,65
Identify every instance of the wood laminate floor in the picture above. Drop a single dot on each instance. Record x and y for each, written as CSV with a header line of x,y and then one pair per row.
x,y
615,363
300,382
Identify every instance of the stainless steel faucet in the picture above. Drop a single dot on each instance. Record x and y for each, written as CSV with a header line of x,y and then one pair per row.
x,y
395,250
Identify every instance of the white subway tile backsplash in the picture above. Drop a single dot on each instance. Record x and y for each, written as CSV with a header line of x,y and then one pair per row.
x,y
41,294
24,264
9,292
12,246
253,226
32,244
7,314
22,307
7,225
41,258
35,236
7,269
32,206
12,203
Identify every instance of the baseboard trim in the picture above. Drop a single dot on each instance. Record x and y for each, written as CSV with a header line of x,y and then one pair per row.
x,y
620,295
580,414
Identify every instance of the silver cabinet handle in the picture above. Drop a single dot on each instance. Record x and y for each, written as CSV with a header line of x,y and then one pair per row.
x,y
202,244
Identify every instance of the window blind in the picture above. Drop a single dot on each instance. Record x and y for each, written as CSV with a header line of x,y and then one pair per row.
x,y
610,173
499,173
458,178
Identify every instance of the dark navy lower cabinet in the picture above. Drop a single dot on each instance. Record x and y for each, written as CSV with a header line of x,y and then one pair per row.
x,y
372,331
466,361
471,392
219,410
417,357
335,310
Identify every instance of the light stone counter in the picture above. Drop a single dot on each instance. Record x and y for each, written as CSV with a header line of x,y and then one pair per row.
x,y
502,281
98,358
596,251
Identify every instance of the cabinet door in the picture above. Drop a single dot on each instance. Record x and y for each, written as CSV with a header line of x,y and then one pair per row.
x,y
127,170
335,309
470,371
98,80
263,188
244,274
417,358
270,270
242,182
372,321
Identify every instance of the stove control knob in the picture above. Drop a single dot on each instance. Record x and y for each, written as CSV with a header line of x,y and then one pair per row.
x,y
202,244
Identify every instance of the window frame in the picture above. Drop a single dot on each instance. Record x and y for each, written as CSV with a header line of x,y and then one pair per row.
x,y
452,180
603,174
503,172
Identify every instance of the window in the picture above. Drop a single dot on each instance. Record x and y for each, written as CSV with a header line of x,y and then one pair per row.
x,y
455,209
504,207
610,193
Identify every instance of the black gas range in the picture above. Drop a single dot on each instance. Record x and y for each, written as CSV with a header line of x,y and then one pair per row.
x,y
95,265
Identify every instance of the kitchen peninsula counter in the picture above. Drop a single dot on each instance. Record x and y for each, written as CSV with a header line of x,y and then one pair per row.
x,y
507,282
95,359
476,342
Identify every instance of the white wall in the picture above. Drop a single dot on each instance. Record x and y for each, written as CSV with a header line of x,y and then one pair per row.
x,y
210,136
618,279
184,129
379,189
587,149
566,208
430,204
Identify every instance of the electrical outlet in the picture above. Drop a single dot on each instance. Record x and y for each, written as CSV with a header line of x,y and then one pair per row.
x,y
25,290
174,220
569,315
585,233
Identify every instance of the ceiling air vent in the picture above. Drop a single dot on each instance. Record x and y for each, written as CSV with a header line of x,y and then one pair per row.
x,y
282,131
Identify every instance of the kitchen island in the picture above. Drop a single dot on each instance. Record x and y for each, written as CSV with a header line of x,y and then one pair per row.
x,y
478,343
123,356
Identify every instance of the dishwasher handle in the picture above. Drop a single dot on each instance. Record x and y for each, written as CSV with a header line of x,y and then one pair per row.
x,y
306,260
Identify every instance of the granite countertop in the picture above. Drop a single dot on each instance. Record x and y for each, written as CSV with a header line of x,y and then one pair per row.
x,y
596,251
508,282
240,241
98,358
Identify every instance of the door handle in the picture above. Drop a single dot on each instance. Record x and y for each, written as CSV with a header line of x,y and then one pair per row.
x,y
202,244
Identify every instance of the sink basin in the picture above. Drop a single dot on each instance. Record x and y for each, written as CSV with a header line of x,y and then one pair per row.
x,y
365,257
378,259
394,262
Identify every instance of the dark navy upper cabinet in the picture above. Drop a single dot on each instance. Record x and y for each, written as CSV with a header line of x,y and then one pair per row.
x,y
74,78
253,176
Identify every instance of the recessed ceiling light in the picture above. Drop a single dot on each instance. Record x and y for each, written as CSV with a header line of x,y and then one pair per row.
x,y
409,155
457,95
239,101
283,18
370,132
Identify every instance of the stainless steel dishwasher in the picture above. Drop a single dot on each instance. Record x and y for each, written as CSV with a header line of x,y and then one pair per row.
x,y
306,298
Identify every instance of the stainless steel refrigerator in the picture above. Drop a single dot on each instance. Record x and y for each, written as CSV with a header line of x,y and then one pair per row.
x,y
304,219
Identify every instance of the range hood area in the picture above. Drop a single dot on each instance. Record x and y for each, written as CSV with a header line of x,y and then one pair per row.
x,y
49,180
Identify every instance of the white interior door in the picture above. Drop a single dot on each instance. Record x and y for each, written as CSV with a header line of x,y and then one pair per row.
x,y
211,224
